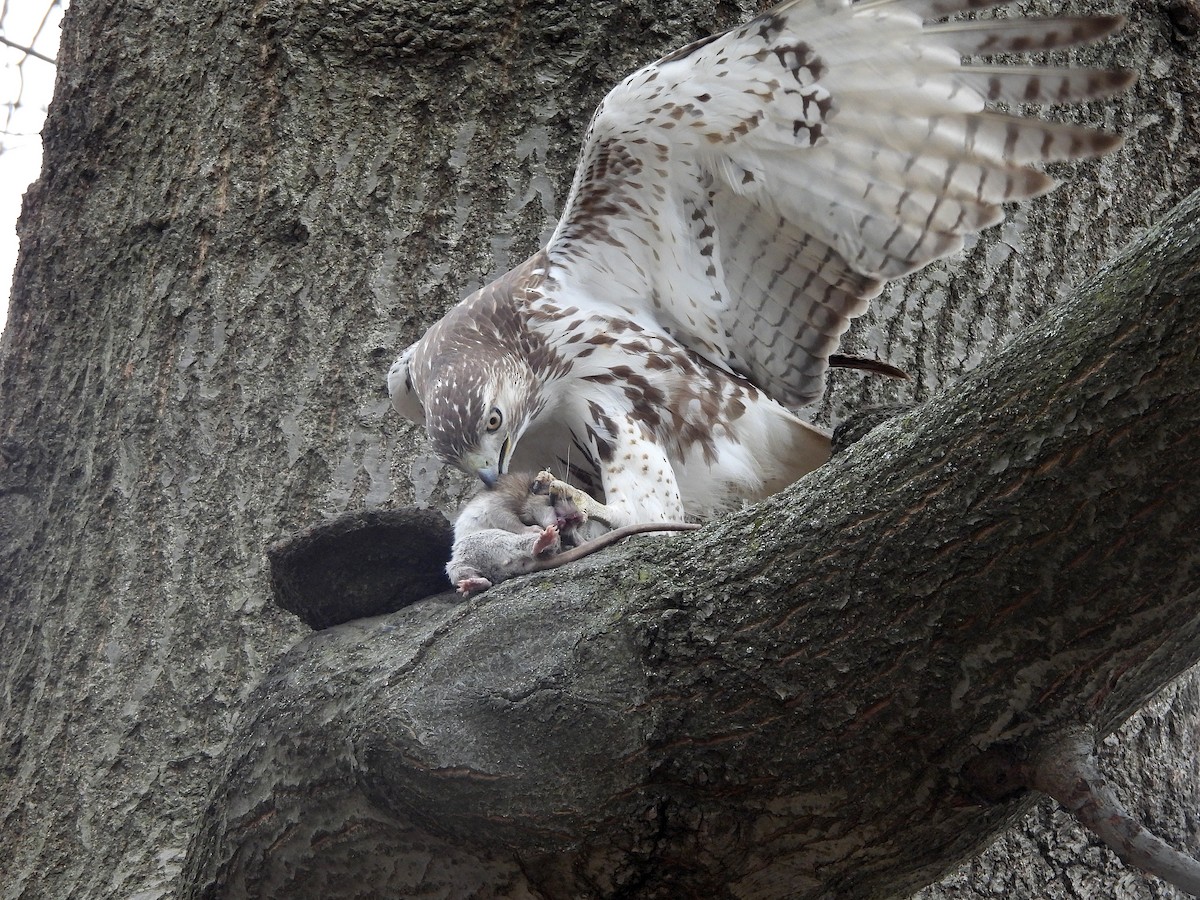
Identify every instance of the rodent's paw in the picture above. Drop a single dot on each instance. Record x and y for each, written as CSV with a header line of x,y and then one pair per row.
x,y
473,585
547,542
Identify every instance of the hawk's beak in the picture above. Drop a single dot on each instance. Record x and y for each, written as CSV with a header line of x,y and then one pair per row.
x,y
488,470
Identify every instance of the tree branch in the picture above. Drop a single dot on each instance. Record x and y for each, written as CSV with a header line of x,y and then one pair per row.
x,y
782,704
1068,773
27,50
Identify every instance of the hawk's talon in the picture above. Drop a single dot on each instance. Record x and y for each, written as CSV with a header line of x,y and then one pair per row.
x,y
589,508
543,482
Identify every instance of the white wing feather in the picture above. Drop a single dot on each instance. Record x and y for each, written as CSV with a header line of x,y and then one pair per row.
x,y
750,193
400,388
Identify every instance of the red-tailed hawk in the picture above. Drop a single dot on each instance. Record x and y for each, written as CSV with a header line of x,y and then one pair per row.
x,y
736,203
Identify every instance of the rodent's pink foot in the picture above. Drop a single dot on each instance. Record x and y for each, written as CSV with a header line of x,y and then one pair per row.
x,y
547,541
473,585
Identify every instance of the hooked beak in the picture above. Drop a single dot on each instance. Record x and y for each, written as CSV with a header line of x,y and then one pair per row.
x,y
489,472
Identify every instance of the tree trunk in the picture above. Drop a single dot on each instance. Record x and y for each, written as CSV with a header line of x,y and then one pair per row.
x,y
245,212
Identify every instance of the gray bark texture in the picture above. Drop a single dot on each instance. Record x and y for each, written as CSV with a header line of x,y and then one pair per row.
x,y
784,704
248,209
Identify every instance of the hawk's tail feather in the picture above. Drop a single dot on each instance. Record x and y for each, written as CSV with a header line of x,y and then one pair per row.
x,y
864,364
808,448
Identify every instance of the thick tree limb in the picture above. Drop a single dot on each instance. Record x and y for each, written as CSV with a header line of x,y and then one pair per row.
x,y
782,704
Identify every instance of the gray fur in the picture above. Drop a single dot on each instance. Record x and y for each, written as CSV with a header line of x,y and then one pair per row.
x,y
514,527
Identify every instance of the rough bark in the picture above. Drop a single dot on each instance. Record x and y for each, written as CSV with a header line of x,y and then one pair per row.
x,y
1049,856
245,211
784,704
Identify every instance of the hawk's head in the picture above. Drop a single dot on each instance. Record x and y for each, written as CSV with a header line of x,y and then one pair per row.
x,y
476,377
476,413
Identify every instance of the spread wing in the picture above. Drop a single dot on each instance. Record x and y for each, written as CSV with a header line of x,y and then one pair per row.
x,y
751,192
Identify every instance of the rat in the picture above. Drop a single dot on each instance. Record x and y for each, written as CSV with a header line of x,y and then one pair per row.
x,y
518,526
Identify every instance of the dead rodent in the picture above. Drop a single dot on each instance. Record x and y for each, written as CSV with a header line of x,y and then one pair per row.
x,y
517,526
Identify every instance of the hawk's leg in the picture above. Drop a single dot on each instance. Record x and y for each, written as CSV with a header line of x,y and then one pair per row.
x,y
639,480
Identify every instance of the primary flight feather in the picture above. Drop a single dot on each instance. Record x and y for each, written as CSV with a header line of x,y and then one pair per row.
x,y
736,203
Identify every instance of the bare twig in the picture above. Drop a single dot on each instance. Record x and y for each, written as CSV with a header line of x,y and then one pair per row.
x,y
1068,773
26,50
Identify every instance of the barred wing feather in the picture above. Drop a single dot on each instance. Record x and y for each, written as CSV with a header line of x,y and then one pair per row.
x,y
750,193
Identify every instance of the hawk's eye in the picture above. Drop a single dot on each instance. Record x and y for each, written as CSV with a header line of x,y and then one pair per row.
x,y
495,420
